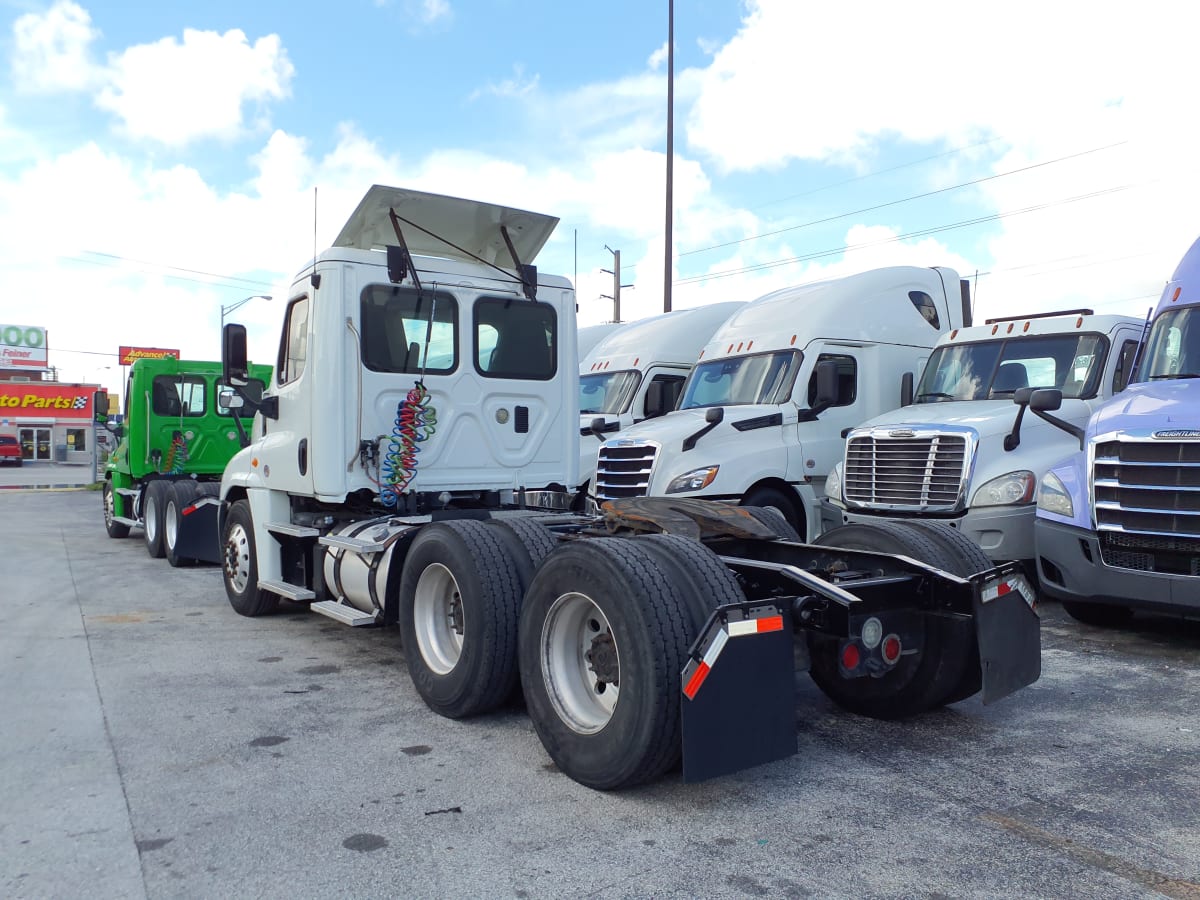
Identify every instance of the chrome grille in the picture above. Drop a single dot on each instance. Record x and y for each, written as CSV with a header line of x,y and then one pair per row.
x,y
925,471
623,470
1146,497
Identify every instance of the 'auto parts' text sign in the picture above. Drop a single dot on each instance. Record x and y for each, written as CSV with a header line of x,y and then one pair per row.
x,y
60,401
22,347
130,355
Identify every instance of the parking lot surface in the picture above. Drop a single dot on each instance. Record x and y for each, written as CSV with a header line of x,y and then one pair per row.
x,y
154,743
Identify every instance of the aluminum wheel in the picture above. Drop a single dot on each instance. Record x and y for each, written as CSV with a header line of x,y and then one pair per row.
x,y
237,558
438,618
150,517
109,506
171,526
580,663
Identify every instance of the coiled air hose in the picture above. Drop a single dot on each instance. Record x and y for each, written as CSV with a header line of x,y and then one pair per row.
x,y
177,454
415,421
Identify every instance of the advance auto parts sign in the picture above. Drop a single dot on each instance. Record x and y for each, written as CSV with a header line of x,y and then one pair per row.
x,y
22,347
129,355
60,401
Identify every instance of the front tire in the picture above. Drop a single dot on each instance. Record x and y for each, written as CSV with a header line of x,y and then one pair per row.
x,y
239,562
115,529
604,635
460,599
774,498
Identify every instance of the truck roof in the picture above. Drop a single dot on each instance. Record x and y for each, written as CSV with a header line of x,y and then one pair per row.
x,y
676,336
1184,287
1040,324
445,226
861,307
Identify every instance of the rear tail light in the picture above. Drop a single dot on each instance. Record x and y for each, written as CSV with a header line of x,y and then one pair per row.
x,y
890,649
850,657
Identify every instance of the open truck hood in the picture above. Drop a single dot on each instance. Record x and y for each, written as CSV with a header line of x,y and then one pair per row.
x,y
473,226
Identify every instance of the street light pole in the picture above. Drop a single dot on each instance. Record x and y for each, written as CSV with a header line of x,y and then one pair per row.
x,y
240,303
670,153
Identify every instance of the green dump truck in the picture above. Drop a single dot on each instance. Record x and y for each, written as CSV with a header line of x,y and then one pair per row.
x,y
173,446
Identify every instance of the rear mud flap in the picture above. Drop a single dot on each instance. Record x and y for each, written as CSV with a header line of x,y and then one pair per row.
x,y
1009,631
739,701
199,534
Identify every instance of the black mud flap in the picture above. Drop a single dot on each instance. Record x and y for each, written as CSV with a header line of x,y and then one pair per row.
x,y
739,691
199,534
1009,631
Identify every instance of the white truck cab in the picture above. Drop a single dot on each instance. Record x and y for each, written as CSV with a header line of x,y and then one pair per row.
x,y
763,411
637,373
963,453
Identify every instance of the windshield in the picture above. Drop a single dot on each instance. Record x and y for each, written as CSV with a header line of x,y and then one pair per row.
x,y
740,380
1173,349
607,393
989,369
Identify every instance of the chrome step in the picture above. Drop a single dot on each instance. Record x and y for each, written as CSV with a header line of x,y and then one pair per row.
x,y
353,545
286,590
296,531
343,613
121,520
129,492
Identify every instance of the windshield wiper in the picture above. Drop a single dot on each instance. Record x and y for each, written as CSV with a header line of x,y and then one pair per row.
x,y
937,395
1174,375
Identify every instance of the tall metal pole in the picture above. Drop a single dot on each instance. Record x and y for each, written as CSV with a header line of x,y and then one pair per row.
x,y
668,239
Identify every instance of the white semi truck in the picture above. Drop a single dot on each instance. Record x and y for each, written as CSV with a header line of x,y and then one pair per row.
x,y
962,453
424,375
762,416
637,373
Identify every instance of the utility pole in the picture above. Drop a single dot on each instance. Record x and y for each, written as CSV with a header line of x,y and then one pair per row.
x,y
668,238
615,272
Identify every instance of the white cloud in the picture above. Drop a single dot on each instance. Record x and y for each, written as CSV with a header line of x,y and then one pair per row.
x,y
51,50
518,86
174,92
434,11
657,58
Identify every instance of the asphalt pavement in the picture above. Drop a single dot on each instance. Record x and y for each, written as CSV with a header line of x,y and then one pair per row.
x,y
154,743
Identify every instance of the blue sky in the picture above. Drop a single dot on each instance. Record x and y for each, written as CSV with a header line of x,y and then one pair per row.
x,y
158,163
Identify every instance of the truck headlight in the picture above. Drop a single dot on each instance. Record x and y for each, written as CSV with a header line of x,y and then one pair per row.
x,y
833,484
1007,490
1052,496
695,480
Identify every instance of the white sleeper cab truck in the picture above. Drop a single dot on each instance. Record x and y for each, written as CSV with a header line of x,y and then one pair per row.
x,y
1118,522
590,335
761,418
425,387
962,453
637,373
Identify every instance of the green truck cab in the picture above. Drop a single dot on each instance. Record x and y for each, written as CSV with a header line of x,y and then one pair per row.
x,y
173,446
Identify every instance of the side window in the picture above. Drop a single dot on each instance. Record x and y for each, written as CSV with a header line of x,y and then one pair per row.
x,y
847,379
174,396
926,307
1124,366
293,351
662,395
522,336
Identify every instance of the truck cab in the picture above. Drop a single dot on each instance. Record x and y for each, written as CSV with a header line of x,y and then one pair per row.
x,y
637,373
963,453
1118,521
762,413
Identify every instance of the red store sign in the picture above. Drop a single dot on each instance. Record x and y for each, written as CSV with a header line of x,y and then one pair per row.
x,y
60,401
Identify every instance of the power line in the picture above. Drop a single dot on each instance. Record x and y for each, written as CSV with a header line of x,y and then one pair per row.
x,y
235,282
845,248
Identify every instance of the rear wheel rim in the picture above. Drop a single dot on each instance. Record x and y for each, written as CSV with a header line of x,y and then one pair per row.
x,y
170,527
237,558
151,519
110,512
439,619
580,663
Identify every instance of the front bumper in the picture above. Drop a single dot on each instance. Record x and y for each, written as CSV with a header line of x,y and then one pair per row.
x,y
1004,532
1070,568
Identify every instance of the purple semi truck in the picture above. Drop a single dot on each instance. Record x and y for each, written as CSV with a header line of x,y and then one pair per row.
x,y
1118,523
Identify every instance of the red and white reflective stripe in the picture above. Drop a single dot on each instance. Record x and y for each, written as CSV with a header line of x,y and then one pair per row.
x,y
756,626
998,590
740,628
188,510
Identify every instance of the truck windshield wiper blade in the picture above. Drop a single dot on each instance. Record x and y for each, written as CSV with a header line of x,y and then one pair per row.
x,y
1174,375
936,395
